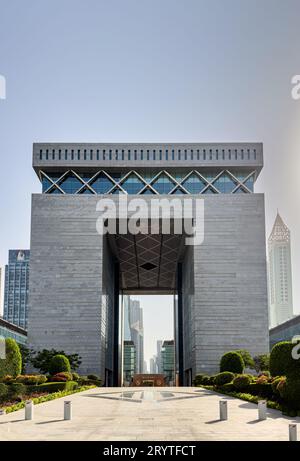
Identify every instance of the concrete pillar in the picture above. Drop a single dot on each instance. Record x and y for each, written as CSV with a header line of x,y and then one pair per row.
x,y
67,410
293,432
223,410
29,410
262,410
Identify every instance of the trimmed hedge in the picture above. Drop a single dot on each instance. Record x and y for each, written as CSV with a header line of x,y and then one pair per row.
x,y
55,387
17,390
290,392
46,398
12,364
31,379
3,391
281,360
263,390
62,377
232,361
275,383
223,378
241,382
58,364
198,379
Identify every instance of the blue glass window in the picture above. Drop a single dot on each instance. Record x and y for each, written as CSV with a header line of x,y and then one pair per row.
x,y
101,184
70,184
163,184
225,184
193,184
132,184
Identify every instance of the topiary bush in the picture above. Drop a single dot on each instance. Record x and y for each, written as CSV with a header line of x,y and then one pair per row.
x,y
62,377
31,379
3,391
75,376
275,383
93,377
198,380
17,390
12,364
232,361
289,390
263,390
55,387
223,378
58,364
241,382
281,360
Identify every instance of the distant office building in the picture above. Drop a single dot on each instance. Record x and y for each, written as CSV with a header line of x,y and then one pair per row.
x,y
134,329
16,287
168,361
153,364
285,331
280,274
159,344
137,332
129,368
8,330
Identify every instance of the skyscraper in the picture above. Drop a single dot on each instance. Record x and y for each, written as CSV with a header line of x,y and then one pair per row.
x,y
168,361
159,344
280,273
16,287
137,332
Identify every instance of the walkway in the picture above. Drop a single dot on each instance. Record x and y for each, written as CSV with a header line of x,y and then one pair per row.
x,y
144,414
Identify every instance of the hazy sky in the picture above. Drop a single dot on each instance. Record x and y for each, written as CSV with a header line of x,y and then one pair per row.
x,y
140,70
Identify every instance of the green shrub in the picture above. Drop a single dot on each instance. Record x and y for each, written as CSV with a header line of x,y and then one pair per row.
x,y
290,392
264,390
93,377
281,360
61,377
232,361
198,379
8,379
17,390
56,387
31,379
3,391
228,387
205,380
275,383
223,378
12,364
265,373
75,376
241,382
58,364
246,356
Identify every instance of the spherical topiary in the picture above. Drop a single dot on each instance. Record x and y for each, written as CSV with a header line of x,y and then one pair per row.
x,y
241,381
232,361
282,361
223,378
198,380
58,364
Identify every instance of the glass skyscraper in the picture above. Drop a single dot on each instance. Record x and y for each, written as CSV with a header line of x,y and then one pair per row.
x,y
16,287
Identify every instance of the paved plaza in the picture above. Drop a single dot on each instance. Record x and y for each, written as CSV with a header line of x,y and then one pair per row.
x,y
162,414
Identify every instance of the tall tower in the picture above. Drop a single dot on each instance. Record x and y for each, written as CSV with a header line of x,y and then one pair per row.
x,y
280,273
16,287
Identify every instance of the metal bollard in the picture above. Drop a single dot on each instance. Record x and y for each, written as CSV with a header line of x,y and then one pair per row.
x,y
223,410
293,432
262,410
28,410
67,410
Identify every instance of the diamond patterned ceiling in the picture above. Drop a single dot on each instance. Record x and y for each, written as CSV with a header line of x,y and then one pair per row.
x,y
148,262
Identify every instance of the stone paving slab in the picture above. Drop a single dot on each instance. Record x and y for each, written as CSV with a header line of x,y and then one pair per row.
x,y
109,414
